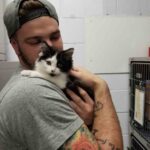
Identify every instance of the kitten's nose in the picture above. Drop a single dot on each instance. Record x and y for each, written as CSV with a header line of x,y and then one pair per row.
x,y
53,70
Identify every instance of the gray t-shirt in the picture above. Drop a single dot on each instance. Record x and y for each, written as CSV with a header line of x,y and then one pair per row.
x,y
34,115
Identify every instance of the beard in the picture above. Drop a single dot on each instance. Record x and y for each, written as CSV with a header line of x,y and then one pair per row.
x,y
25,59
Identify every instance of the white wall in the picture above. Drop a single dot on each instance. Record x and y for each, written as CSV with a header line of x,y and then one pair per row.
x,y
2,44
72,14
109,36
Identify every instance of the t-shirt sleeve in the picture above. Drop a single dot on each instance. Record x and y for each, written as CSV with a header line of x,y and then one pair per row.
x,y
39,116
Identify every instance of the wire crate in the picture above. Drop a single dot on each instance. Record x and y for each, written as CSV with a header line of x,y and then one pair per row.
x,y
140,89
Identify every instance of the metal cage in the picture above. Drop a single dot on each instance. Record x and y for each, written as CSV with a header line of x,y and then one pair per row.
x,y
140,79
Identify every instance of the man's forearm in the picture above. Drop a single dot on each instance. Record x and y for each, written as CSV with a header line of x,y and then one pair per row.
x,y
106,127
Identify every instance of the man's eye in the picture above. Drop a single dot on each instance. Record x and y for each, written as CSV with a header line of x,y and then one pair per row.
x,y
36,41
55,37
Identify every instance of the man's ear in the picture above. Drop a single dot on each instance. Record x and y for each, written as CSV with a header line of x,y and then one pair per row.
x,y
15,46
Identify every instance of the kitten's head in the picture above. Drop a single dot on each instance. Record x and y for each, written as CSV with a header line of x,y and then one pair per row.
x,y
53,61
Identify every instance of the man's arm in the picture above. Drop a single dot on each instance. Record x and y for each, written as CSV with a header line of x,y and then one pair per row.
x,y
106,127
82,139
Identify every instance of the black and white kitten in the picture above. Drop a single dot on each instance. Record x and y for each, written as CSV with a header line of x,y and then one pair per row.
x,y
54,65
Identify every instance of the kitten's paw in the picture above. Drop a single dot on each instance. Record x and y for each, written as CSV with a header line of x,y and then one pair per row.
x,y
26,73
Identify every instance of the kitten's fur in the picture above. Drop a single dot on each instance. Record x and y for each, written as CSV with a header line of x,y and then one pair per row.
x,y
54,65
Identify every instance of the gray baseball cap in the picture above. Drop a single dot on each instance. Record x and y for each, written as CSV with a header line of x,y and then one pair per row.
x,y
13,22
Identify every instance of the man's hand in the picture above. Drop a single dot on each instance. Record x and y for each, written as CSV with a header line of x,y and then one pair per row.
x,y
85,76
84,106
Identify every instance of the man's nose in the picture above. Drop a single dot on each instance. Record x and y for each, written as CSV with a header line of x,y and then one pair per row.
x,y
49,43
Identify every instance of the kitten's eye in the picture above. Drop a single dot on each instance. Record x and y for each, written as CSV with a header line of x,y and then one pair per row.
x,y
49,62
59,65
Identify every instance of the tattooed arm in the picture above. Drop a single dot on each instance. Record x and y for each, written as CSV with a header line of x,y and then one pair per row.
x,y
106,127
81,140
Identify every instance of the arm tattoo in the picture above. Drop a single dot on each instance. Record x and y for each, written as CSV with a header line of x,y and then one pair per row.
x,y
104,141
94,131
81,140
98,106
112,146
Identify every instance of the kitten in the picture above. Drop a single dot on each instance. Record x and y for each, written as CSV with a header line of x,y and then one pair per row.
x,y
54,65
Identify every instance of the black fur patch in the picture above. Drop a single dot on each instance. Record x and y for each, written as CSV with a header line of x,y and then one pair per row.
x,y
64,60
48,52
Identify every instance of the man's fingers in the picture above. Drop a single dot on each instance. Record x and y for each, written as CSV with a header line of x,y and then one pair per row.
x,y
75,98
75,107
85,96
75,69
83,105
76,72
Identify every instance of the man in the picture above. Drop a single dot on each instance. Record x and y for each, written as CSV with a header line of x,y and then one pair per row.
x,y
34,113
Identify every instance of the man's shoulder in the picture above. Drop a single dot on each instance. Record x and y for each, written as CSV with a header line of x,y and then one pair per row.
x,y
23,92
26,83
36,86
22,87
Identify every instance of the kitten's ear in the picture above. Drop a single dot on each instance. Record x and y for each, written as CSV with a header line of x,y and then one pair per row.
x,y
44,47
41,54
69,52
46,50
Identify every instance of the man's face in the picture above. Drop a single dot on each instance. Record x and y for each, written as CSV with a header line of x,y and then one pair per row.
x,y
28,39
